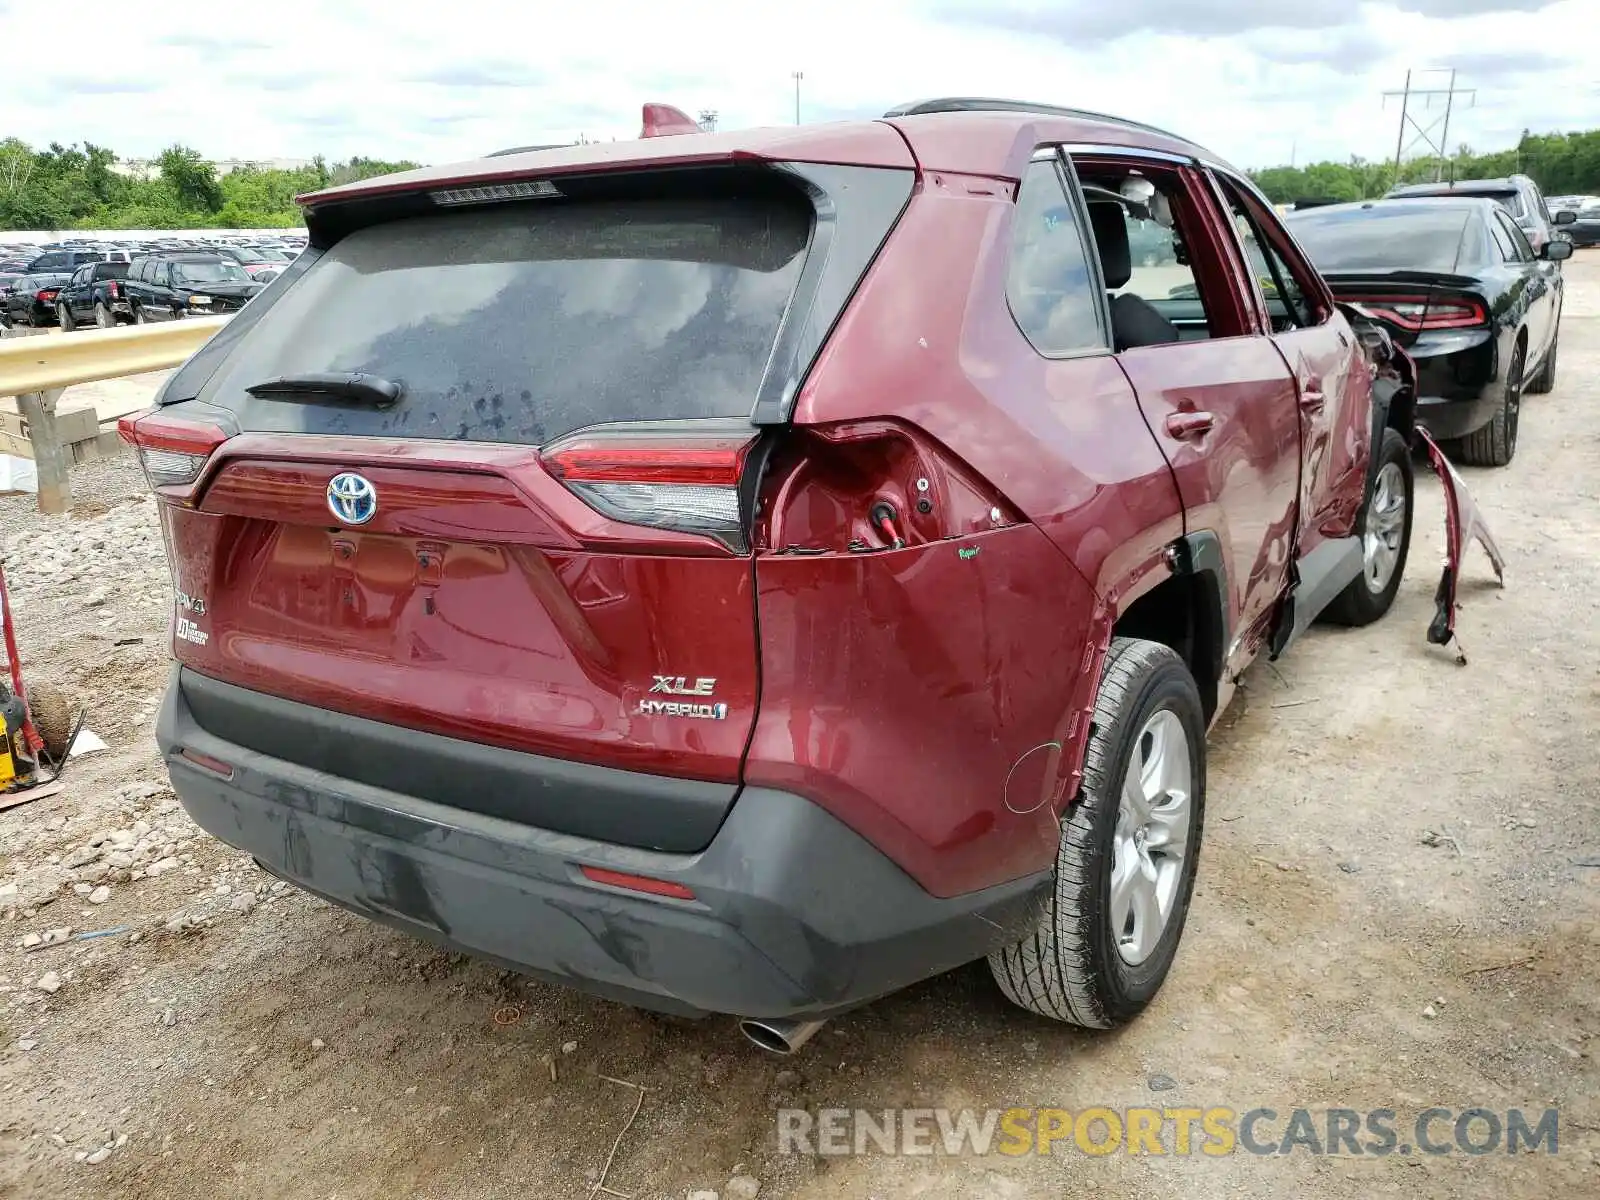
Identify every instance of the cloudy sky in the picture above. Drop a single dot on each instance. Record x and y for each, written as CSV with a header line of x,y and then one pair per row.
x,y
1254,80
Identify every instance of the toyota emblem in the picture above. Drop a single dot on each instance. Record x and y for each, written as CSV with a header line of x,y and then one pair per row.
x,y
352,498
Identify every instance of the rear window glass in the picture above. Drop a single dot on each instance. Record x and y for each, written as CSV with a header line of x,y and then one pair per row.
x,y
1385,237
111,270
519,323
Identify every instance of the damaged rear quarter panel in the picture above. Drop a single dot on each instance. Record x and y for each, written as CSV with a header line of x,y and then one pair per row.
x,y
927,698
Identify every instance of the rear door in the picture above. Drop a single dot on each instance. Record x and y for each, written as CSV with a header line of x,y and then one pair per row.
x,y
535,538
1541,289
1333,391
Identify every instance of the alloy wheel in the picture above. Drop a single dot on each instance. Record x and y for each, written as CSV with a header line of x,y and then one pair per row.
x,y
1154,818
1385,528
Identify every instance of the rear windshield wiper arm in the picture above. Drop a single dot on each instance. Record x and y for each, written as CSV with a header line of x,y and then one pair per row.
x,y
357,387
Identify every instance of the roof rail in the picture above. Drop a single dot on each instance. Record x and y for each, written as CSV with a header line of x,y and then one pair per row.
x,y
953,104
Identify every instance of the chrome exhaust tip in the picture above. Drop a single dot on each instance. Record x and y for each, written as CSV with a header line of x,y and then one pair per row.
x,y
779,1036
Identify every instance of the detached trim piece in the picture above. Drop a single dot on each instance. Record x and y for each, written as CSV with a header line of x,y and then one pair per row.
x,y
1463,525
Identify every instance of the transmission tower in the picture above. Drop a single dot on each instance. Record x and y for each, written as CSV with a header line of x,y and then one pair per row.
x,y
1424,133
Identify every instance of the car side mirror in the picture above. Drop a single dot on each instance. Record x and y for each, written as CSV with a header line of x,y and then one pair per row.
x,y
1557,249
1565,217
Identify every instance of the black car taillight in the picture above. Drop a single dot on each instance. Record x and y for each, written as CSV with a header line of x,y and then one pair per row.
x,y
45,296
1417,313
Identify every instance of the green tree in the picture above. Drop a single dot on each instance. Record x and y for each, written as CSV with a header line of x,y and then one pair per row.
x,y
192,179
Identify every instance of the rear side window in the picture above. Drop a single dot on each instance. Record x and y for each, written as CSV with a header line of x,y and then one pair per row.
x,y
1049,284
1502,239
1524,249
519,323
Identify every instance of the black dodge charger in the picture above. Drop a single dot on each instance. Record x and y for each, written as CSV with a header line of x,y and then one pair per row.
x,y
1461,288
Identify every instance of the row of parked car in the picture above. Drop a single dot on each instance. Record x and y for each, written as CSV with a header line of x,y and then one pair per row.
x,y
74,284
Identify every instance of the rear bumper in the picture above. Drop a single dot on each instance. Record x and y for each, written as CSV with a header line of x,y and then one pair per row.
x,y
794,914
1458,382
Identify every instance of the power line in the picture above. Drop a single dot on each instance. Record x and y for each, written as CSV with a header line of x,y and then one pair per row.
x,y
1424,133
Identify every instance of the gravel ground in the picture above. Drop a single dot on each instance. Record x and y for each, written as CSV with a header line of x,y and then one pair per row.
x,y
1396,908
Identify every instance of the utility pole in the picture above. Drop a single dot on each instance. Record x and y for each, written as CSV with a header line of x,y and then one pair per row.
x,y
1424,133
708,119
798,76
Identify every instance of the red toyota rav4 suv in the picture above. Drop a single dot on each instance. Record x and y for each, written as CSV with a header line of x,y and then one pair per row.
x,y
751,572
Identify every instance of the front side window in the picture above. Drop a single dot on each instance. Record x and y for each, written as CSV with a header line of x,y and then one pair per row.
x,y
1050,287
1282,291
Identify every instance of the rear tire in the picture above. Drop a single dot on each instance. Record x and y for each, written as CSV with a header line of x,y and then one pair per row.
x,y
138,315
64,318
1385,538
1129,844
102,316
1495,444
1545,381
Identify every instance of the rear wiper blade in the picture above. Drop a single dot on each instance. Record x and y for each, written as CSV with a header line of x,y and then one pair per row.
x,y
356,387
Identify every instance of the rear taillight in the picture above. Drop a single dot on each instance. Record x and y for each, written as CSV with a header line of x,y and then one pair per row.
x,y
1417,313
46,296
172,451
112,290
670,477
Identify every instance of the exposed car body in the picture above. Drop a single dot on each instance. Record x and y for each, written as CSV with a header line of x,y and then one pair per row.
x,y
1463,292
1517,194
751,572
170,285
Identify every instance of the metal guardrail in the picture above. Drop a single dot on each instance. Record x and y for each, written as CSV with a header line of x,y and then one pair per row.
x,y
36,370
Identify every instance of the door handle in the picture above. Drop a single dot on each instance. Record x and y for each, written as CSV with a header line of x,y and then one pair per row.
x,y
1312,398
1184,425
